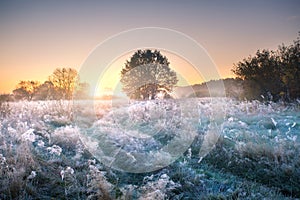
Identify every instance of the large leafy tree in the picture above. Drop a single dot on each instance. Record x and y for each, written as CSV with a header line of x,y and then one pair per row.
x,y
146,74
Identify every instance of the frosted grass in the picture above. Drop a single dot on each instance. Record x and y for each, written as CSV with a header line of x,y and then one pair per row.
x,y
220,133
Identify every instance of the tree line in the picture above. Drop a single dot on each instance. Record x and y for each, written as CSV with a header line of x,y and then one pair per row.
x,y
271,75
63,83
268,75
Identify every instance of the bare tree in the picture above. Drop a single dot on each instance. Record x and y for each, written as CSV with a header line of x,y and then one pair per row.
x,y
64,81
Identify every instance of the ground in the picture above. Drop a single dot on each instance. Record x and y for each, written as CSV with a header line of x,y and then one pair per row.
x,y
198,148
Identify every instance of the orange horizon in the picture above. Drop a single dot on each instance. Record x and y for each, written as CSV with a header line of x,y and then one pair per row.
x,y
112,74
38,37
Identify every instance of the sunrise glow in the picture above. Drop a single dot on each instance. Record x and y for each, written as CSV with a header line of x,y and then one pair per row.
x,y
38,37
109,81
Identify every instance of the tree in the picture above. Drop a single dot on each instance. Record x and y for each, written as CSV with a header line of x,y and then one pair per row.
x,y
272,75
147,74
64,81
6,97
45,91
290,59
262,75
26,90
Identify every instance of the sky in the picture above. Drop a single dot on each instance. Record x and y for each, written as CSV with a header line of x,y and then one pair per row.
x,y
38,36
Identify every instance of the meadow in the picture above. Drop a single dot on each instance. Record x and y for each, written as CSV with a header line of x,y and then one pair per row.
x,y
197,148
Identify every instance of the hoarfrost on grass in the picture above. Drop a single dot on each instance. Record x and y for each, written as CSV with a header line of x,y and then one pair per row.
x,y
55,150
245,133
29,135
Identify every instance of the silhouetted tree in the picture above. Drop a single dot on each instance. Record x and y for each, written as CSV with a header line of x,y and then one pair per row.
x,y
64,81
26,90
45,91
146,74
272,75
262,75
290,61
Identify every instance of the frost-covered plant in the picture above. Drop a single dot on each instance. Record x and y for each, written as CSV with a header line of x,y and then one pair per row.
x,y
29,136
58,113
5,109
18,163
97,185
157,189
2,161
68,177
66,137
54,150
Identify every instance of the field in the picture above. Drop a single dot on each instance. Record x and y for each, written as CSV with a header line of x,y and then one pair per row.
x,y
161,149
